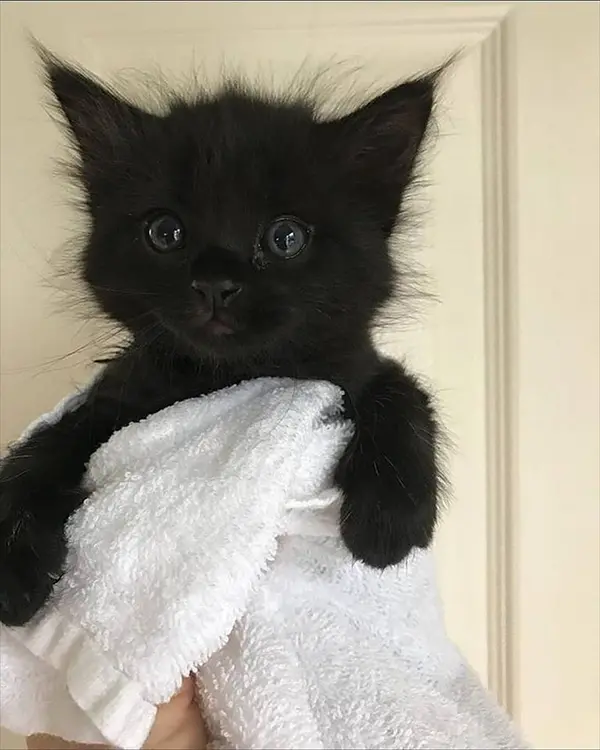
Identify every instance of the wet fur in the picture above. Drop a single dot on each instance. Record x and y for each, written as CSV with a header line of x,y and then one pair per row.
x,y
227,163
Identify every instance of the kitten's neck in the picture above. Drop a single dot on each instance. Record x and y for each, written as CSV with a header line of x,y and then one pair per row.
x,y
348,365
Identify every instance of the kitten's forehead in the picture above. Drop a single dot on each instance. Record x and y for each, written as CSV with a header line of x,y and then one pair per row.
x,y
234,119
237,154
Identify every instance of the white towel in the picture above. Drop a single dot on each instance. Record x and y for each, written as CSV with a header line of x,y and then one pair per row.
x,y
210,543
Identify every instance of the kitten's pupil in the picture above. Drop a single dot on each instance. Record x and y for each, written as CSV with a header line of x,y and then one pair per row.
x,y
165,233
287,238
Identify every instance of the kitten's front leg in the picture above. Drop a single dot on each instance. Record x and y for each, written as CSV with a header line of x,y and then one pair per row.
x,y
40,486
390,474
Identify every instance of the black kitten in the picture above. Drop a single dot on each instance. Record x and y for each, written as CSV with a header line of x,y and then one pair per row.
x,y
236,236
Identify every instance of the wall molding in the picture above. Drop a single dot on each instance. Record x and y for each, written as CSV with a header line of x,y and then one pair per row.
x,y
499,264
462,18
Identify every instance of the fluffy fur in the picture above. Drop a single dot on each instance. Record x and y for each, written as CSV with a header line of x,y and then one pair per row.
x,y
223,306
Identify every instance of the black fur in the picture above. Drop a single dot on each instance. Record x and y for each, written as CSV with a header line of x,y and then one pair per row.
x,y
226,165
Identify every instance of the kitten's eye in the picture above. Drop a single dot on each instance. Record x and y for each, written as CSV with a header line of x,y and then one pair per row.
x,y
287,237
164,233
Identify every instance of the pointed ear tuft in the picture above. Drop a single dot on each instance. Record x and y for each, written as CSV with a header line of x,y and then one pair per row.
x,y
100,122
376,146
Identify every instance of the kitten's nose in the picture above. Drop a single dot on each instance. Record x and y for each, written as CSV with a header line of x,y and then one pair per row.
x,y
217,293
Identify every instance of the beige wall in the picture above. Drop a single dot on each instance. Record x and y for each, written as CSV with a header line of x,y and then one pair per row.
x,y
512,243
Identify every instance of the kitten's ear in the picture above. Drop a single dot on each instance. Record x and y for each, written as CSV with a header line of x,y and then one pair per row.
x,y
100,122
375,147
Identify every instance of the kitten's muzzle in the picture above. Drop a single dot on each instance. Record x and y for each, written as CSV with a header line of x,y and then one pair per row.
x,y
214,297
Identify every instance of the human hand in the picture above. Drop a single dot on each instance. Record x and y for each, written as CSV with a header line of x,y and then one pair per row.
x,y
178,726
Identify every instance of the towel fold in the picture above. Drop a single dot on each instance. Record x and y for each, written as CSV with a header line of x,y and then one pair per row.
x,y
210,543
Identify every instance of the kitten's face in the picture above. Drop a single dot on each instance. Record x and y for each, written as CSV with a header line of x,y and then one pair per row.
x,y
238,223
229,228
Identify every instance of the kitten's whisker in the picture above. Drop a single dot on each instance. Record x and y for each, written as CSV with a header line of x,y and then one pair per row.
x,y
125,292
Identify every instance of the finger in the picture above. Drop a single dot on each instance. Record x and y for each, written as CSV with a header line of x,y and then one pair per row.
x,y
181,699
178,724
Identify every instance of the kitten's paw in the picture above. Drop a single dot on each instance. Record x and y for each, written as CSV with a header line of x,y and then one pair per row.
x,y
381,521
380,538
31,561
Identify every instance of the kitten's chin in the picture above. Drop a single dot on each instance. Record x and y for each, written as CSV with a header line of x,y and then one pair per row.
x,y
222,338
208,335
230,345
217,340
